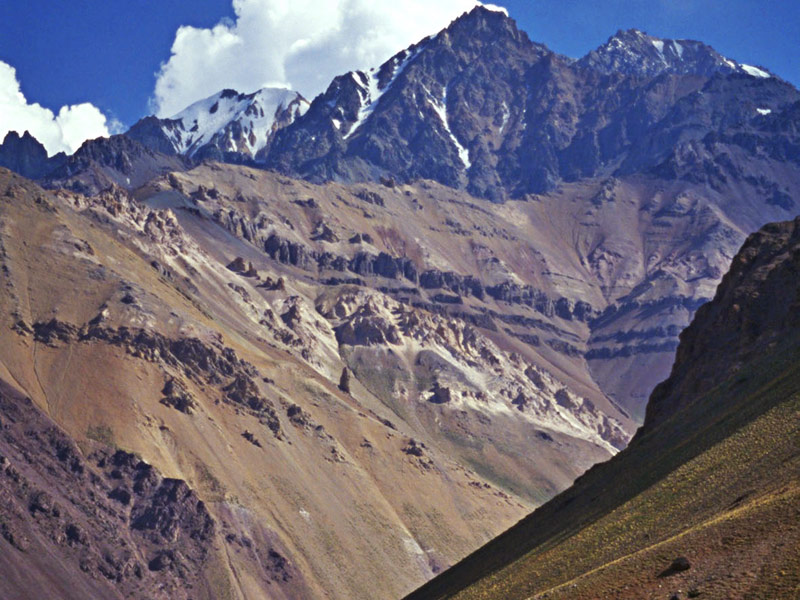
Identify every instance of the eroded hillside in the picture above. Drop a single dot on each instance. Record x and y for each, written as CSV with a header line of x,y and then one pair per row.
x,y
704,501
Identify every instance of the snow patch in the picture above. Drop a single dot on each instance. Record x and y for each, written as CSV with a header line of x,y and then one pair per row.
x,y
196,125
506,116
494,8
441,110
763,111
678,48
373,93
755,71
659,44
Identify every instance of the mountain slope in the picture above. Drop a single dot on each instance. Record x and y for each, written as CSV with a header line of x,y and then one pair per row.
x,y
147,325
663,153
713,476
226,126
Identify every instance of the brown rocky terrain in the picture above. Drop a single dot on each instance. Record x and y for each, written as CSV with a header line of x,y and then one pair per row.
x,y
453,295
94,522
129,335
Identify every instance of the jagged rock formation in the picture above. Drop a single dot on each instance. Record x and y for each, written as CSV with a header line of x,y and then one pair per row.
x,y
682,508
105,162
27,156
635,53
468,107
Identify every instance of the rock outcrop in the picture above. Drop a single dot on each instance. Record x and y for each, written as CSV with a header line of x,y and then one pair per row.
x,y
103,525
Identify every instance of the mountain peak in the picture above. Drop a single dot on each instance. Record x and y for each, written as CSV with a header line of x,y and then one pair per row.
x,y
27,155
492,8
634,52
227,122
484,19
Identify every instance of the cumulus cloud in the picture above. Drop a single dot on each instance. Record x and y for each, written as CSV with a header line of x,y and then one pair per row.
x,y
63,132
297,44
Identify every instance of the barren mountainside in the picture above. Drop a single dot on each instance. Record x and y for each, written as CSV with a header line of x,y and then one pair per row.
x,y
652,160
145,325
705,499
278,348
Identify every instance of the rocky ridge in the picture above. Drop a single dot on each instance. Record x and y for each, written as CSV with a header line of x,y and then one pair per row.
x,y
465,108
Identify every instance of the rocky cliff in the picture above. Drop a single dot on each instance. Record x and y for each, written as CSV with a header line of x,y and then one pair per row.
x,y
480,107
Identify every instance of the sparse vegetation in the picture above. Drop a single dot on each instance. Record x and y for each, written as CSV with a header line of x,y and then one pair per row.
x,y
101,433
725,468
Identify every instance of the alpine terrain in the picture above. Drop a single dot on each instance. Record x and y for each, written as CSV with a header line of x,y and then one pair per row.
x,y
277,348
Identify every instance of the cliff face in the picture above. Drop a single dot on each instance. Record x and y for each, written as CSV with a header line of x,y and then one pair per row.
x,y
715,461
754,310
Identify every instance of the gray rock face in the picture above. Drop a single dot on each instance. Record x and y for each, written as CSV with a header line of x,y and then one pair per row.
x,y
26,156
633,52
114,161
480,107
421,114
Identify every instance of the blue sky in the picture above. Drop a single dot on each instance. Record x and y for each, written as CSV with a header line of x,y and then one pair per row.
x,y
108,52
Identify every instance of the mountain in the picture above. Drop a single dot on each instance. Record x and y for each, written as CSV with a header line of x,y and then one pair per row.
x,y
27,156
704,501
702,150
104,163
361,367
226,126
482,108
635,53
298,435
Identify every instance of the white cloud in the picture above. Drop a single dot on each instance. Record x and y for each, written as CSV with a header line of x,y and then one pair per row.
x,y
298,44
63,132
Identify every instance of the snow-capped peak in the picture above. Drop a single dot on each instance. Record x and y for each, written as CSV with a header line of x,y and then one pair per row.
x,y
234,122
634,52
